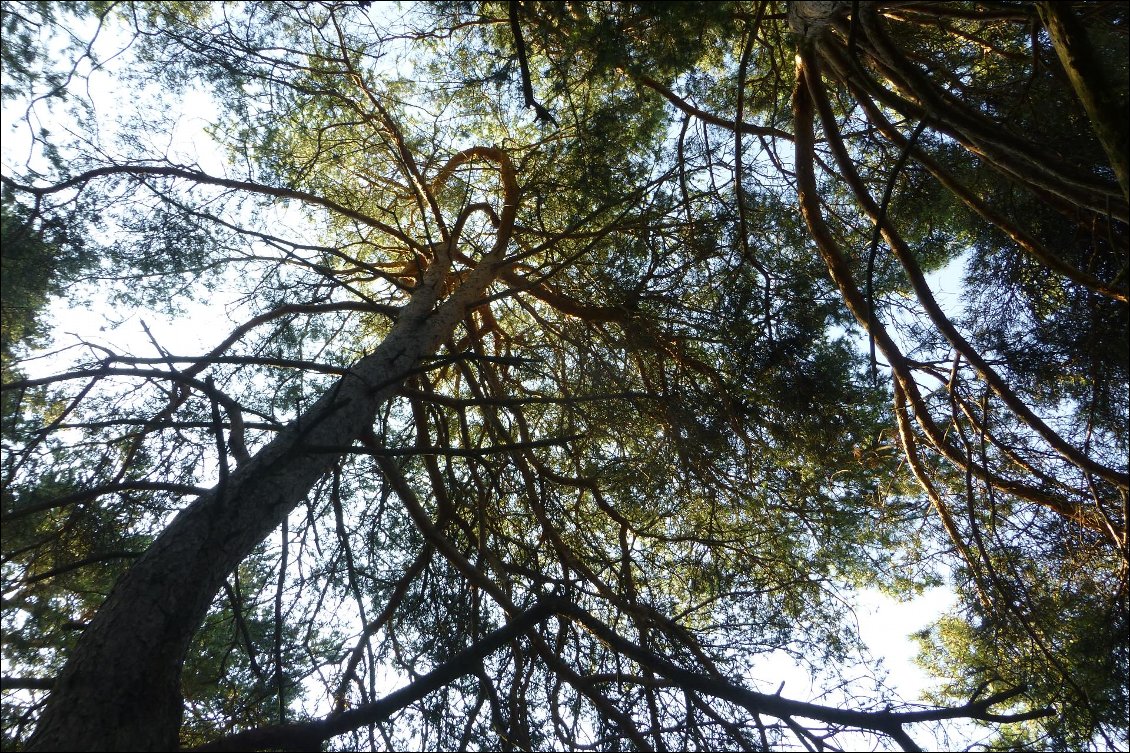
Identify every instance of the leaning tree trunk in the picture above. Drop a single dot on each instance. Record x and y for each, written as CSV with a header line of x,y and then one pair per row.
x,y
120,687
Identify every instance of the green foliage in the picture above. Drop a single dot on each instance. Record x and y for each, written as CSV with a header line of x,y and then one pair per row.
x,y
661,407
1063,640
28,29
231,682
38,260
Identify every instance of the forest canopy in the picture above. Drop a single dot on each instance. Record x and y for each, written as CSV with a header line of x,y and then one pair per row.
x,y
564,363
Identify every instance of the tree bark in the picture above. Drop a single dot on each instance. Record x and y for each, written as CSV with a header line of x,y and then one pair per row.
x,y
1099,95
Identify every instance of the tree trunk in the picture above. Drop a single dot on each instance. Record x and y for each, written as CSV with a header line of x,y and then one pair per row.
x,y
1097,91
120,687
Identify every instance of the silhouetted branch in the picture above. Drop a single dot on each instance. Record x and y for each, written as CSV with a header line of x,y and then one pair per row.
x,y
523,63
26,683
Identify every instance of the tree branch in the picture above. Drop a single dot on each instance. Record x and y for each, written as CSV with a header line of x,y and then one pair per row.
x,y
197,176
524,65
26,683
309,735
1087,77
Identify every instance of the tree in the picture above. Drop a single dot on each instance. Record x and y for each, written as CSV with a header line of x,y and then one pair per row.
x,y
548,391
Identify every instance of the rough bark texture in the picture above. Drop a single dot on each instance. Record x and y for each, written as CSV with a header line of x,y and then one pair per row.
x,y
809,18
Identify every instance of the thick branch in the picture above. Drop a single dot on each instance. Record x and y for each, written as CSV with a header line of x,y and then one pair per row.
x,y
887,722
26,683
309,735
1098,95
524,66
841,273
22,511
709,117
